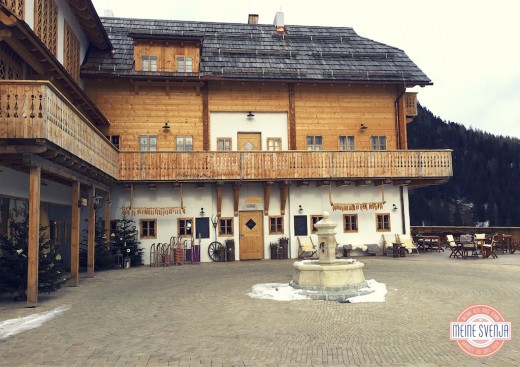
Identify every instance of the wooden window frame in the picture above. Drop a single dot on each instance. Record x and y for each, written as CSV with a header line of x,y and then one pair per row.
x,y
228,229
147,60
276,224
184,145
350,226
229,141
145,232
315,219
312,144
183,229
378,142
148,145
271,144
378,221
184,64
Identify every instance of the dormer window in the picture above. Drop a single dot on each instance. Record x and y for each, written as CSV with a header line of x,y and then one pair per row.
x,y
149,63
184,64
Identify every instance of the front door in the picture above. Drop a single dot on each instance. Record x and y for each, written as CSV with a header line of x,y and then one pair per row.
x,y
249,141
251,235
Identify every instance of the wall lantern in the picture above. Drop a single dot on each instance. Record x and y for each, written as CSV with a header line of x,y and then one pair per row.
x,y
250,115
166,127
363,127
394,207
202,212
300,209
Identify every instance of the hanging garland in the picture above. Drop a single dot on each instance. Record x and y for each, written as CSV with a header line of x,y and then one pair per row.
x,y
378,205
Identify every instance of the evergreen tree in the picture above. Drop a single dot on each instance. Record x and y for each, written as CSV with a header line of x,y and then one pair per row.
x,y
103,254
125,240
14,262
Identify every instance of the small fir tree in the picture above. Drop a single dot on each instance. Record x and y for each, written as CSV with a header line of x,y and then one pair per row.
x,y
125,239
14,262
103,256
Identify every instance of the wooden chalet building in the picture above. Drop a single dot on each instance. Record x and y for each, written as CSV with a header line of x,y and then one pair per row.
x,y
258,127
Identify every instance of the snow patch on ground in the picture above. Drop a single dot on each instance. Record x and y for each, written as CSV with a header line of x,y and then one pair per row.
x,y
12,327
284,292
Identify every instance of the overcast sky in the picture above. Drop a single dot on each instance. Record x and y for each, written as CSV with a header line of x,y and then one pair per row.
x,y
469,48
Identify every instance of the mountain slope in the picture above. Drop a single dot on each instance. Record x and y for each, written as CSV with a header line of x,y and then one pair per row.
x,y
486,176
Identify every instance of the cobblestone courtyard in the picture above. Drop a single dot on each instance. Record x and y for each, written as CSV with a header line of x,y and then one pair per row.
x,y
200,315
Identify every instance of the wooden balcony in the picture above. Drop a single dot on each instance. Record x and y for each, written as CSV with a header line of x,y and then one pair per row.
x,y
410,104
434,165
36,111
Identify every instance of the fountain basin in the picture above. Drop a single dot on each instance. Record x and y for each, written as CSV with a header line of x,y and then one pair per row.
x,y
335,281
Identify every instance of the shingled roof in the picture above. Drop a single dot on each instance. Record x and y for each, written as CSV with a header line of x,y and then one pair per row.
x,y
257,51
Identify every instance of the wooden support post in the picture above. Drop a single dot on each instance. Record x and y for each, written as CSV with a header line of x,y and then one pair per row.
x,y
107,218
267,196
33,250
284,192
74,236
220,187
91,236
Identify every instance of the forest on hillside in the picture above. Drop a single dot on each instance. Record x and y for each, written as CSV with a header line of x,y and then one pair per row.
x,y
484,189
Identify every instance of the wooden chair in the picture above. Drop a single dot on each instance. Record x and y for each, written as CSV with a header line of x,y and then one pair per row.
x,y
468,246
407,242
388,242
489,249
480,240
306,247
456,248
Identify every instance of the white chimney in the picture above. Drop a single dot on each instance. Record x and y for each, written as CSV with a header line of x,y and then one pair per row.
x,y
108,13
252,19
279,22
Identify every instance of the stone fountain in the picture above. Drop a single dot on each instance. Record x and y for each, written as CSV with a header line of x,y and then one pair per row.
x,y
328,278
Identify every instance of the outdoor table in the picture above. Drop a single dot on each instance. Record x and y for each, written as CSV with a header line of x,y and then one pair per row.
x,y
422,240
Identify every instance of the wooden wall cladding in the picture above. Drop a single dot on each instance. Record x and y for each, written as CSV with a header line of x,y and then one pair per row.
x,y
253,96
334,110
133,112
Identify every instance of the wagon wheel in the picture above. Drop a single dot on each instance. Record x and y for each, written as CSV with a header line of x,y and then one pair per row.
x,y
216,251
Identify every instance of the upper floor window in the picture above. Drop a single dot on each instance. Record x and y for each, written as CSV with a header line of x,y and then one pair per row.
x,y
347,143
148,142
224,144
184,64
314,143
274,144
46,23
114,139
383,222
184,142
149,63
378,142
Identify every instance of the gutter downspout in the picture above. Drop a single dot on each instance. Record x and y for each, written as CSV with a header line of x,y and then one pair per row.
x,y
397,119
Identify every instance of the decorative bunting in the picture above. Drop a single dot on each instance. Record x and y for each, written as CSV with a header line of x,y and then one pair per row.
x,y
378,205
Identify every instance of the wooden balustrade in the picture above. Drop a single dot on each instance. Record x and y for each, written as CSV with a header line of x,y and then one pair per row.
x,y
37,110
284,165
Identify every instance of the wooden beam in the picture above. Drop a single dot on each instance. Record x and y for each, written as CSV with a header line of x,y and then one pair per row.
x,y
74,237
205,119
292,117
284,192
34,236
91,235
267,196
220,188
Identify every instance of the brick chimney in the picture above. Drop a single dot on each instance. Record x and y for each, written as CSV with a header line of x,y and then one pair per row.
x,y
279,22
252,19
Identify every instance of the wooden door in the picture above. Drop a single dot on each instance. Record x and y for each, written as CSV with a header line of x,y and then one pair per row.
x,y
251,235
249,141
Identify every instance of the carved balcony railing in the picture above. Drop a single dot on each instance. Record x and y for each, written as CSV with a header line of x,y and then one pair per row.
x,y
285,165
37,110
16,6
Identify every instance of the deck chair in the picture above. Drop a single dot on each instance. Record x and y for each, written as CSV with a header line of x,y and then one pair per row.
x,y
388,242
407,242
456,248
306,248
489,249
